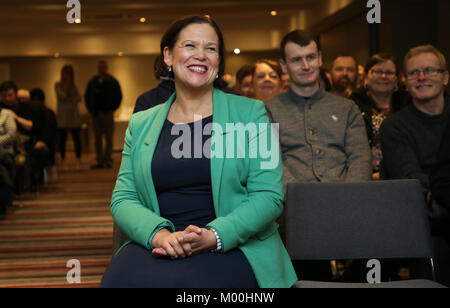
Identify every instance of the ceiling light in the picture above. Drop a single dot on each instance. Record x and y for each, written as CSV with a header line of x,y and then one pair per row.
x,y
142,19
237,51
120,53
56,55
78,21
274,13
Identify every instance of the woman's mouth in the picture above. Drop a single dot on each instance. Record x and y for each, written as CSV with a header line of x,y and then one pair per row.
x,y
198,69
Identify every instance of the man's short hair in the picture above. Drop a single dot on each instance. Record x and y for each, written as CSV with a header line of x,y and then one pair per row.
x,y
299,37
425,49
8,85
346,56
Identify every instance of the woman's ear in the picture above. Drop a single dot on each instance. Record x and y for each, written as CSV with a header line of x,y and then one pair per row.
x,y
167,56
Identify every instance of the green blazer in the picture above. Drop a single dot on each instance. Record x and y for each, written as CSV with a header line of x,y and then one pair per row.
x,y
247,199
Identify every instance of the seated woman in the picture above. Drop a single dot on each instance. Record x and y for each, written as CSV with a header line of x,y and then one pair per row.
x,y
379,99
266,79
195,217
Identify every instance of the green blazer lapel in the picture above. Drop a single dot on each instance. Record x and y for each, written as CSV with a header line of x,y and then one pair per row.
x,y
220,118
148,149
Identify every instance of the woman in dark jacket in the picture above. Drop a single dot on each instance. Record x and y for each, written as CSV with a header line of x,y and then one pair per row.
x,y
379,99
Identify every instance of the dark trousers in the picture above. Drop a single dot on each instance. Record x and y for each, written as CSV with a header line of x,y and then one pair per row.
x,y
103,127
76,136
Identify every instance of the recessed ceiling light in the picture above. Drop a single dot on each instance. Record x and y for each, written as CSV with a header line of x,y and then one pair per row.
x,y
142,19
274,13
237,51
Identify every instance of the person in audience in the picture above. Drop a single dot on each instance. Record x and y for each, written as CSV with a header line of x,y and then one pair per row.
x,y
50,127
379,99
344,72
68,115
32,143
322,135
8,131
102,97
410,139
207,221
266,79
244,81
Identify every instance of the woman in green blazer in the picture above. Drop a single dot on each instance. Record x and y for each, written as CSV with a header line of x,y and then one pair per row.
x,y
237,244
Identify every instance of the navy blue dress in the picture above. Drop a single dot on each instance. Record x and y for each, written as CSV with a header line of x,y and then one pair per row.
x,y
182,177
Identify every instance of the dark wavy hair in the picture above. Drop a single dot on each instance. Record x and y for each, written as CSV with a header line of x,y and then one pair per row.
x,y
171,36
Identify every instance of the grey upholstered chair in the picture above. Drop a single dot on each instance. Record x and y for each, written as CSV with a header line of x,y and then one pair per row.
x,y
371,220
119,238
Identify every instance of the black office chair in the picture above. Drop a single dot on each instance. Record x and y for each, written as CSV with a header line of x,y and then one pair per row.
x,y
370,220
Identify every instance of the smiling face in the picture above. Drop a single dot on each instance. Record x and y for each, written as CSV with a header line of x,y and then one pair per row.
x,y
385,82
195,56
425,88
266,82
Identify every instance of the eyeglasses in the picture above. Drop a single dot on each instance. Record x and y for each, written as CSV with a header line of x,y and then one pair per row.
x,y
428,72
379,73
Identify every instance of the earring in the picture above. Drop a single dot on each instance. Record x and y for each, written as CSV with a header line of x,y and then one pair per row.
x,y
170,69
217,76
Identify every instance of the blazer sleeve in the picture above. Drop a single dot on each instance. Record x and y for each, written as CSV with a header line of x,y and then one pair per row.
x,y
264,190
139,222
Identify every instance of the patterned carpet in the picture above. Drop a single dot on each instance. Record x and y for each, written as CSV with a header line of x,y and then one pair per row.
x,y
67,219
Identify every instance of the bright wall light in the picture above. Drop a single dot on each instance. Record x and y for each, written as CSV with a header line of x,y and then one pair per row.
x,y
274,13
237,51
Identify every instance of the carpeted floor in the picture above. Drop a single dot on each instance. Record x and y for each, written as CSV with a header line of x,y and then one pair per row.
x,y
67,219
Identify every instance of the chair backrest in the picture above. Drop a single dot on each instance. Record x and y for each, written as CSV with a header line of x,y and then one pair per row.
x,y
119,238
379,219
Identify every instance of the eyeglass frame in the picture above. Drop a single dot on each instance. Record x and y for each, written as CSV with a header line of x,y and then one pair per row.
x,y
379,73
427,72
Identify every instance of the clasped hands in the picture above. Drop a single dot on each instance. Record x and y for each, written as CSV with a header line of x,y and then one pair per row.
x,y
181,244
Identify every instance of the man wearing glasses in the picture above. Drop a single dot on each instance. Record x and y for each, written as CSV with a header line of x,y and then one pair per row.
x,y
410,139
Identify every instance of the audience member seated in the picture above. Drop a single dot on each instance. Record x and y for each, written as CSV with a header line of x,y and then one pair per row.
x,y
410,138
379,99
322,136
30,153
266,82
8,131
49,129
343,75
243,83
